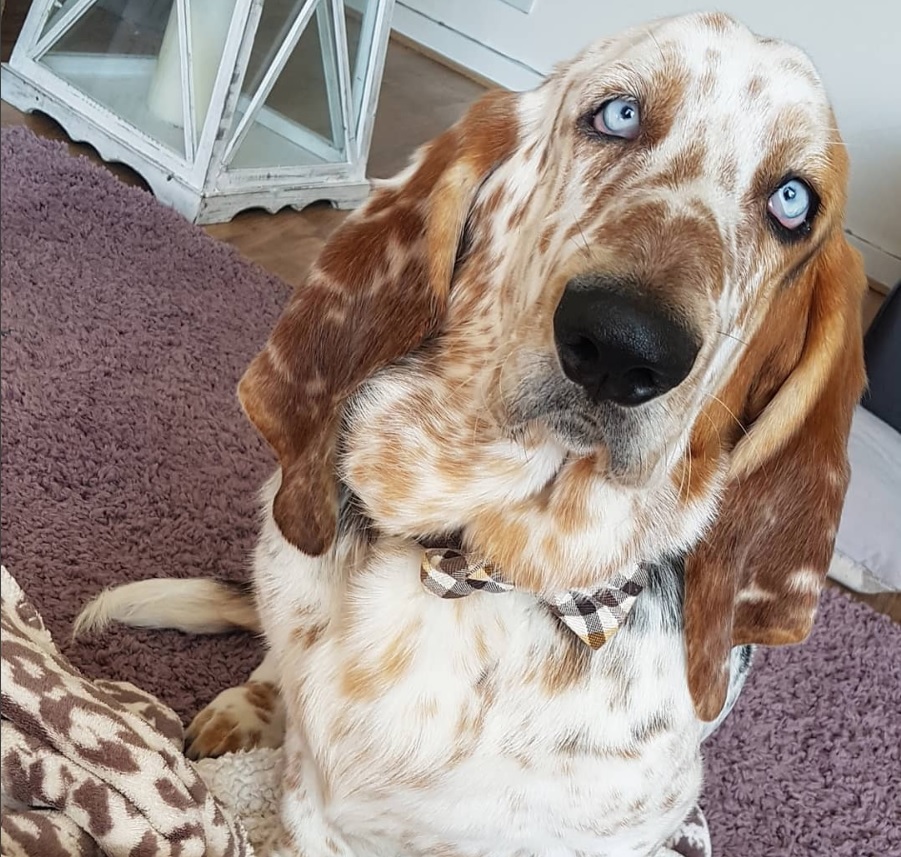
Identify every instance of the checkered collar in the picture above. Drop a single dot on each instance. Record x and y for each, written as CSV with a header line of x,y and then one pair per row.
x,y
593,614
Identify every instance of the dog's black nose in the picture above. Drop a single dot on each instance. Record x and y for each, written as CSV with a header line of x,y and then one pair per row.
x,y
620,345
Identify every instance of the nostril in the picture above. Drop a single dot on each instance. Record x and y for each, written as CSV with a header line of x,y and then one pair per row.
x,y
583,350
639,385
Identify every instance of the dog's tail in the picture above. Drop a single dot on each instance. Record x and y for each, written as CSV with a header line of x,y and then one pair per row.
x,y
195,606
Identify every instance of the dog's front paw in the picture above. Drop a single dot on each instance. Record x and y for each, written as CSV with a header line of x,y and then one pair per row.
x,y
240,718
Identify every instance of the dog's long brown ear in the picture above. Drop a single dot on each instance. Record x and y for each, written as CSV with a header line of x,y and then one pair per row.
x,y
757,576
378,289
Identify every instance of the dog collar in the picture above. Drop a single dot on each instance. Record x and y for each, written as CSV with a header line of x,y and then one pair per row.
x,y
594,615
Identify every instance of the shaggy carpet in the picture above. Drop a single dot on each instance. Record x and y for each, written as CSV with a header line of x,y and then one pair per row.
x,y
125,455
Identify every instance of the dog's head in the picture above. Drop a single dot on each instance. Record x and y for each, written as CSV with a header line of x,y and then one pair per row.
x,y
630,284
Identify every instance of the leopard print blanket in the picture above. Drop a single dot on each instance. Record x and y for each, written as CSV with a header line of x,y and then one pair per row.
x,y
93,767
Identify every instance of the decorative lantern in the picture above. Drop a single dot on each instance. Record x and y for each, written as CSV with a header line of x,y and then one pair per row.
x,y
220,105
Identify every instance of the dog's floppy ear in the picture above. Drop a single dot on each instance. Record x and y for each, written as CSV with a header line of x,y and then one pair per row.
x,y
757,576
379,287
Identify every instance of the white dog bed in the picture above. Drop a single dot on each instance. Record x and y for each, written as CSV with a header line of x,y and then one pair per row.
x,y
868,546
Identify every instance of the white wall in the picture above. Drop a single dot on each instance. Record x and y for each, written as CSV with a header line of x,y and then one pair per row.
x,y
856,45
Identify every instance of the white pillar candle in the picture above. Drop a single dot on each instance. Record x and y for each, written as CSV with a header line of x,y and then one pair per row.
x,y
210,22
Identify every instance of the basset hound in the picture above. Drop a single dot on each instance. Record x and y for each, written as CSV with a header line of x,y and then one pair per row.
x,y
561,418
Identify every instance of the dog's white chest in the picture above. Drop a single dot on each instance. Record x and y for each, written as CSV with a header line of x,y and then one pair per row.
x,y
475,725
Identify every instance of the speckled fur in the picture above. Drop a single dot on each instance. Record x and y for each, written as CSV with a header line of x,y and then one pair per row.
x,y
478,727
420,726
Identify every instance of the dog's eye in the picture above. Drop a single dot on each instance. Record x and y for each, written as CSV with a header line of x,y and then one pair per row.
x,y
791,206
619,117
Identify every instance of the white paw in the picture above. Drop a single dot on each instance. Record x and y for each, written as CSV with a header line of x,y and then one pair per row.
x,y
240,718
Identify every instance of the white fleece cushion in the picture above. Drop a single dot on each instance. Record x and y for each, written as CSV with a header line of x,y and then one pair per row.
x,y
868,545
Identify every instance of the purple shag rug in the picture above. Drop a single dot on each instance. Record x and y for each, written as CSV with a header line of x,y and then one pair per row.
x,y
125,456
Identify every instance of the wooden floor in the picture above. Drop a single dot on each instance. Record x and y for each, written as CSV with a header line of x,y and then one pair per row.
x,y
286,243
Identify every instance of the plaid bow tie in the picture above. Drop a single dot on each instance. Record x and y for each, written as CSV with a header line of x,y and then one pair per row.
x,y
593,615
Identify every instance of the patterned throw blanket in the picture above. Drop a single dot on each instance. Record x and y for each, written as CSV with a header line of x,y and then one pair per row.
x,y
93,767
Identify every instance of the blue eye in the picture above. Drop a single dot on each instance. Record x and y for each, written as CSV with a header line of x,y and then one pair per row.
x,y
618,117
791,204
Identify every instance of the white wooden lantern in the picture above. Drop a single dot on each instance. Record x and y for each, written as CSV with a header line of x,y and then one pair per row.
x,y
221,105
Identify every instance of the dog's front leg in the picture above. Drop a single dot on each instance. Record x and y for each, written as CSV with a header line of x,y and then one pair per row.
x,y
297,595
305,830
244,717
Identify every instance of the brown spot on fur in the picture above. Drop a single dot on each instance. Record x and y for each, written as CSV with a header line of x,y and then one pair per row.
x,y
638,807
461,751
685,166
427,708
308,635
693,475
525,760
576,744
480,644
544,240
569,500
470,723
656,725
671,253
755,88
263,696
567,665
292,778
490,206
398,655
221,734
669,83
366,680
445,850
672,800
518,215
719,22
486,686
502,539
